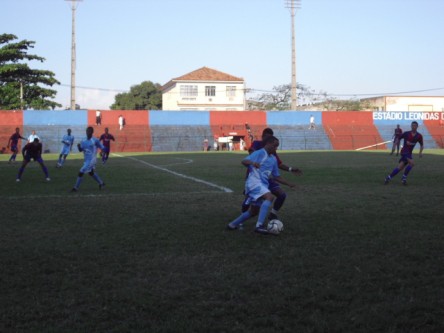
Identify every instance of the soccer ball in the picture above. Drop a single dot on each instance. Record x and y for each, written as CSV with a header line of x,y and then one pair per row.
x,y
275,227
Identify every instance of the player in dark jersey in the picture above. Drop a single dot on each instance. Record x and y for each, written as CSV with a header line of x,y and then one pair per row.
x,y
411,138
396,140
13,143
274,187
32,150
106,141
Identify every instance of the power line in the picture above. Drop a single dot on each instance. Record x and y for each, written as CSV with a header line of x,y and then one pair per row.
x,y
253,90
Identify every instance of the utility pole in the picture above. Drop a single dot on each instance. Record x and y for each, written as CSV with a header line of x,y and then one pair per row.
x,y
73,54
292,5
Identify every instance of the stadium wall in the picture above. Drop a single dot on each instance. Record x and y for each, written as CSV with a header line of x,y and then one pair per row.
x,y
186,130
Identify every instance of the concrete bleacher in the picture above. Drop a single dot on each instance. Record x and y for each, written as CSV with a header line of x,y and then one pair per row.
x,y
300,138
179,138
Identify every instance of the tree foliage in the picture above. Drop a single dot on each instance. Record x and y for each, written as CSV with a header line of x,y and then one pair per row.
x,y
15,74
280,98
144,96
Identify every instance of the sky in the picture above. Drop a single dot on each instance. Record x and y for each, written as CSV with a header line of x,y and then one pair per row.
x,y
346,48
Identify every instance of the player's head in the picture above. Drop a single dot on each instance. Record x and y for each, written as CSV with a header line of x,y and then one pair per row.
x,y
271,143
397,126
106,130
89,132
69,131
36,141
267,132
17,130
414,125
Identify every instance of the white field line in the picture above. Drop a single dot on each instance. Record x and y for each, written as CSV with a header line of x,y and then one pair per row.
x,y
105,195
378,144
197,180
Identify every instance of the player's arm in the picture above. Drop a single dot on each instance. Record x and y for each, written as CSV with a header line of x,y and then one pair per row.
x,y
9,141
79,147
24,150
101,146
283,181
251,160
421,147
112,138
285,167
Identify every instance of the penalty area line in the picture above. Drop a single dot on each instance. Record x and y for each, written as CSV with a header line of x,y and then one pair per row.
x,y
378,144
197,180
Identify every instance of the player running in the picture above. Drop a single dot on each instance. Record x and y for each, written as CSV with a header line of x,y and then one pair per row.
x,y
274,187
68,141
106,140
410,139
89,147
13,143
32,150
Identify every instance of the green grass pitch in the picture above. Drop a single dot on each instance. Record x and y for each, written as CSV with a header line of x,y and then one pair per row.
x,y
150,253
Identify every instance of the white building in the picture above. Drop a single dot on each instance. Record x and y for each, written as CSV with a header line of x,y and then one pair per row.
x,y
405,103
204,89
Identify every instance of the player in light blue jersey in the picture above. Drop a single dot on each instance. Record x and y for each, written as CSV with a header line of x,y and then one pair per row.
x,y
89,147
68,141
263,168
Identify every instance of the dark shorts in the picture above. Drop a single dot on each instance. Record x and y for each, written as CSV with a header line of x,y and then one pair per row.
x,y
29,157
14,148
273,186
405,157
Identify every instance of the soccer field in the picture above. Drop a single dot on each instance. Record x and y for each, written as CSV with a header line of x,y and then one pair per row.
x,y
150,252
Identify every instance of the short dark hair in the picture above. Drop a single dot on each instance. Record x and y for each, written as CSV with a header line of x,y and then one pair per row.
x,y
415,122
270,139
267,131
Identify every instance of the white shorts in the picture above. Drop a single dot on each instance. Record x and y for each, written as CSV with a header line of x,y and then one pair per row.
x,y
88,166
254,194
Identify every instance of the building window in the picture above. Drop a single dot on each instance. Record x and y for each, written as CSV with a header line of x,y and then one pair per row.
x,y
210,90
231,91
188,90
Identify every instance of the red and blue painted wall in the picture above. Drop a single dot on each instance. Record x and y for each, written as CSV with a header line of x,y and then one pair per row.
x,y
186,130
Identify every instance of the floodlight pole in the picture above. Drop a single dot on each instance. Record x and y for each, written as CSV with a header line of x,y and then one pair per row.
x,y
293,5
73,54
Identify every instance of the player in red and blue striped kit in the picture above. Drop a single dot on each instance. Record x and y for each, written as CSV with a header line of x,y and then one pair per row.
x,y
411,138
13,143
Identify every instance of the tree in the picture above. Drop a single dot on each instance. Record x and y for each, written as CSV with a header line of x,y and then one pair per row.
x,y
145,96
280,98
18,80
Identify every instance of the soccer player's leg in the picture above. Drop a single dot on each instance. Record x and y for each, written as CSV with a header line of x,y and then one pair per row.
x,y
402,163
44,168
22,168
263,211
97,179
280,195
86,167
409,167
14,150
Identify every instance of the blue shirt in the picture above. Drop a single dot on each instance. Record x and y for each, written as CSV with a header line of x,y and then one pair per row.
x,y
68,140
267,171
89,148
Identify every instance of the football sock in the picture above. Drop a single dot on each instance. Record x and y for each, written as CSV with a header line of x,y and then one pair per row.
x,y
13,157
97,178
20,172
79,180
279,202
45,170
394,172
407,170
263,213
243,217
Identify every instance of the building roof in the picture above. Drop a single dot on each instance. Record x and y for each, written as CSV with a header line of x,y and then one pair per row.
x,y
204,74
